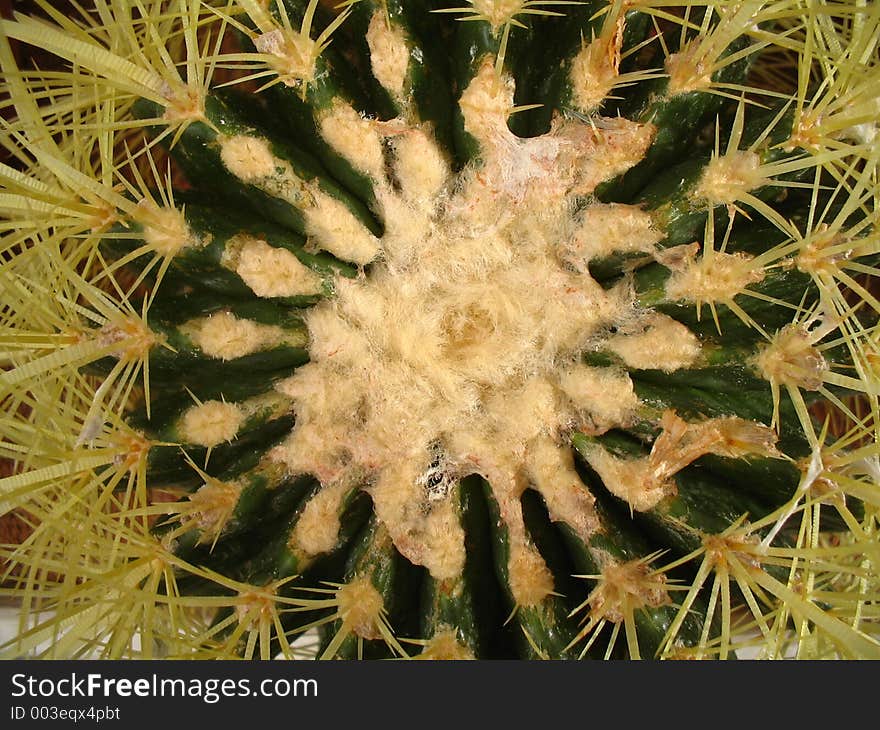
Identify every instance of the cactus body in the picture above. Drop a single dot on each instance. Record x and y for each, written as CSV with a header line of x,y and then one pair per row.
x,y
515,330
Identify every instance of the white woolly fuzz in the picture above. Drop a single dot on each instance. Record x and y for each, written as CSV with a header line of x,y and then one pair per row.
x,y
594,69
332,225
716,277
248,158
792,358
225,336
656,342
275,272
605,229
498,12
389,53
632,480
728,177
644,481
316,530
252,161
421,167
604,396
458,352
291,55
211,423
336,230
568,499
355,137
688,70
165,229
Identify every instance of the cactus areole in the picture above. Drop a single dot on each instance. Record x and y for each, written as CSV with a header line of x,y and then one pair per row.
x,y
511,330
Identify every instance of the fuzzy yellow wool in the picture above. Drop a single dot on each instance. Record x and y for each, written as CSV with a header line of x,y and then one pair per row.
x,y
445,361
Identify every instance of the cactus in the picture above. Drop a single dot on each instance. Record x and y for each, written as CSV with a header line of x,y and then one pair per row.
x,y
519,329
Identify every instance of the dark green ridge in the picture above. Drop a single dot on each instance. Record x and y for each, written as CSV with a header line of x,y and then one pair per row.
x,y
547,623
472,43
234,379
374,557
718,391
198,267
682,216
198,154
165,421
260,556
428,85
542,76
210,379
785,284
264,510
274,558
706,502
184,304
170,465
703,504
291,114
344,67
676,119
773,482
616,540
466,605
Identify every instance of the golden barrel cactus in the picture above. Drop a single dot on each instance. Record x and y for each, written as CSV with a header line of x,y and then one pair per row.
x,y
406,328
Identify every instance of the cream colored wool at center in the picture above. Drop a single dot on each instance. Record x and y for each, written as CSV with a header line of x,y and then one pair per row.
x,y
459,346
